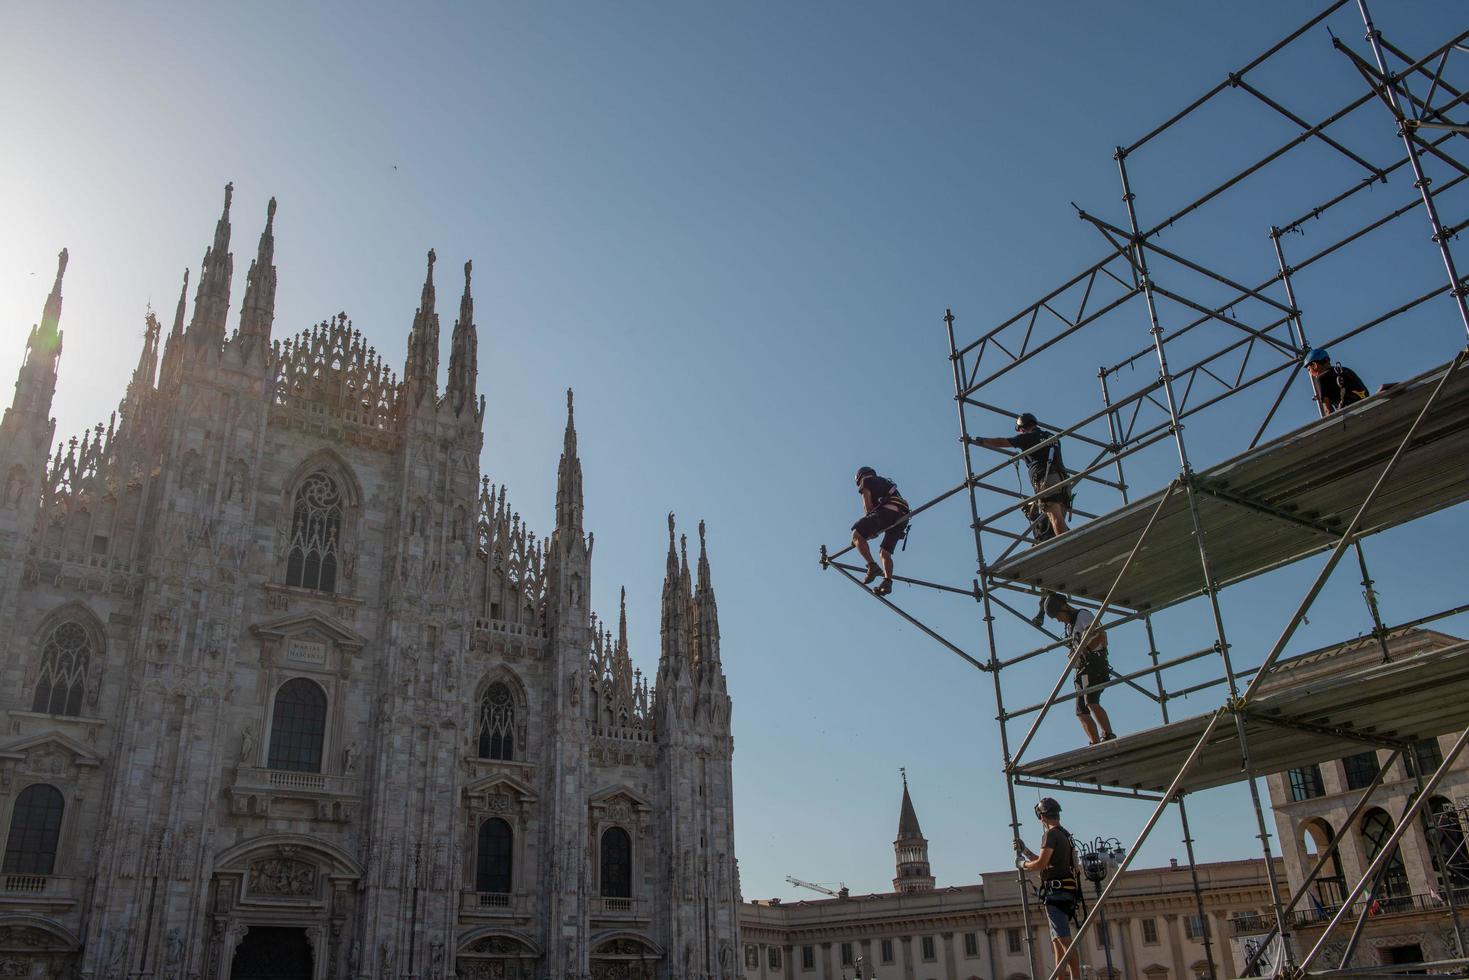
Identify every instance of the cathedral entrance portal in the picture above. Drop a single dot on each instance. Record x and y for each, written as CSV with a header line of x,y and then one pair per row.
x,y
272,953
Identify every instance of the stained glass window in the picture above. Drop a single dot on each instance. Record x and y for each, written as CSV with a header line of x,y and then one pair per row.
x,y
298,726
63,675
616,863
316,529
496,857
35,828
497,723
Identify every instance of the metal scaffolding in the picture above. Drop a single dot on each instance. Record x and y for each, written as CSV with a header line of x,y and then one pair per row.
x,y
1319,489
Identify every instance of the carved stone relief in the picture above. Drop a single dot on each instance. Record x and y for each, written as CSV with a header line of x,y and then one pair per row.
x,y
283,876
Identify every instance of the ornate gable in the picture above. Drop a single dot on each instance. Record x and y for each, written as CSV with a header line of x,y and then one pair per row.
x,y
48,754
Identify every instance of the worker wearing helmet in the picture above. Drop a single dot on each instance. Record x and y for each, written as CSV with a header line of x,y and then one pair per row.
x,y
1336,386
1060,890
1047,472
1091,669
885,512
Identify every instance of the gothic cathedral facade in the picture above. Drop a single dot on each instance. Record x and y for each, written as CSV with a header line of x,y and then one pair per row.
x,y
289,690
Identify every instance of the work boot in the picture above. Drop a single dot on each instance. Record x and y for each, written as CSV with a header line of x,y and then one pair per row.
x,y
872,572
883,587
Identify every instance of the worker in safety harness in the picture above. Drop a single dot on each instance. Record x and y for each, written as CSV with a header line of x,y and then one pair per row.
x,y
885,513
1046,472
1092,668
1336,386
1060,889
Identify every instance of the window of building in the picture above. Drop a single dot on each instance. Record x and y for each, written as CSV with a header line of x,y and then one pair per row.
x,y
808,957
927,947
1329,890
1446,842
62,679
1377,827
773,957
35,829
496,857
846,954
1150,932
316,529
1360,769
1014,941
1102,938
752,957
1425,757
971,944
1194,927
497,723
887,950
616,863
298,726
1305,783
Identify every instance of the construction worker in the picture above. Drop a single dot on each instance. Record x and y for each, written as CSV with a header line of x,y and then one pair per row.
x,y
1091,668
1060,889
884,512
1336,386
1045,468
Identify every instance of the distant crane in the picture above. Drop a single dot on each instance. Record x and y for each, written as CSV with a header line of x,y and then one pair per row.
x,y
820,888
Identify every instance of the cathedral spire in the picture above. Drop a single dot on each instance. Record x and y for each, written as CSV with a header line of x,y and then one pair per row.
x,y
173,344
464,352
568,477
422,371
622,621
145,374
706,612
212,300
911,849
257,310
36,384
673,629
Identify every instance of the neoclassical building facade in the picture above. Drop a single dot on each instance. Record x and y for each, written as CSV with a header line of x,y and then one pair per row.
x,y
289,689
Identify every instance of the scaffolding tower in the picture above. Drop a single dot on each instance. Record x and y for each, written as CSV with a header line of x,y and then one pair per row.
x,y
1318,489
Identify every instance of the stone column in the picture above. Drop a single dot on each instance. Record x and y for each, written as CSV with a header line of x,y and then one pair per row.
x,y
1175,945
1122,956
1223,948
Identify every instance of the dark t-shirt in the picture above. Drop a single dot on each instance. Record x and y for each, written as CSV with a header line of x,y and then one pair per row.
x,y
1063,856
880,488
1340,387
1036,461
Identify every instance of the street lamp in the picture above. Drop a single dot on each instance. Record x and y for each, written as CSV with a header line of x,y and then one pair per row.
x,y
1097,858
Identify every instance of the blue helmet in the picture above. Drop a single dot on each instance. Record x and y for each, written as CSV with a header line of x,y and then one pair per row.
x,y
1317,354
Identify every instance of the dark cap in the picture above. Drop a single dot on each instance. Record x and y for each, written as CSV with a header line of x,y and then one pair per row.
x,y
1025,421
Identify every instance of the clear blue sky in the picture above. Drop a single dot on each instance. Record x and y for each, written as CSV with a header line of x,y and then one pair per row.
x,y
733,229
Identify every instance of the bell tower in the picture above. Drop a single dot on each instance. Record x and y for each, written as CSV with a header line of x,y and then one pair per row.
x,y
911,849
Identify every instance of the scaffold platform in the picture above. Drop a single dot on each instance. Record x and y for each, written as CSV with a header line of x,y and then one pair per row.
x,y
1275,504
1414,696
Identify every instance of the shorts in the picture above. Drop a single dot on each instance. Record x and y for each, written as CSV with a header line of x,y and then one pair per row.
x,y
1091,671
880,520
1050,480
1058,917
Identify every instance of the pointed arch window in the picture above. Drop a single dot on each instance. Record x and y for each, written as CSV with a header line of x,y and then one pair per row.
x,y
316,531
497,723
298,726
62,680
35,829
496,858
616,863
